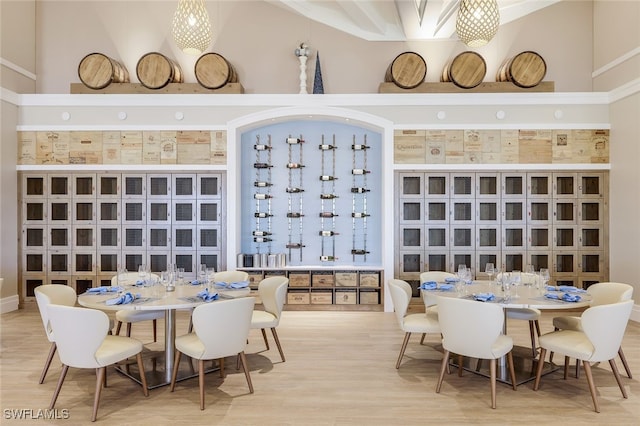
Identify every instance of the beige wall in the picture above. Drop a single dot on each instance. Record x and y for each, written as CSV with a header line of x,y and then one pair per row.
x,y
17,45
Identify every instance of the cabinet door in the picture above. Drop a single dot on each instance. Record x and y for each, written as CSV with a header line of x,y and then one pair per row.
x,y
59,186
437,186
565,185
591,212
565,237
513,185
84,185
34,185
109,185
412,237
488,185
134,185
564,211
539,212
462,185
209,186
591,185
539,237
411,264
514,211
158,186
411,185
539,185
184,186
411,211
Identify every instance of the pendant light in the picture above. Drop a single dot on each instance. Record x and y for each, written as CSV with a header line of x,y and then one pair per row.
x,y
477,21
191,27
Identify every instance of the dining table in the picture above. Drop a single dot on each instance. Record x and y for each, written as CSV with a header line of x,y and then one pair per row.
x,y
522,296
184,296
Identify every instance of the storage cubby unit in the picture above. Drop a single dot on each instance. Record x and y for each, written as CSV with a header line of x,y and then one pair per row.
x,y
548,219
82,228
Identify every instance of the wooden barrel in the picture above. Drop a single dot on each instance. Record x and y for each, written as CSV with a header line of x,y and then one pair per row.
x,y
154,70
407,70
97,71
213,71
466,70
526,69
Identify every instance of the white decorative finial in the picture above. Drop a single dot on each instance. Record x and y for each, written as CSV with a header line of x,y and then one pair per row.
x,y
302,52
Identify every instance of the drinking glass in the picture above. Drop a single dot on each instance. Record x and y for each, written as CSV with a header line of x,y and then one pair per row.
x,y
544,277
490,270
180,275
142,273
515,281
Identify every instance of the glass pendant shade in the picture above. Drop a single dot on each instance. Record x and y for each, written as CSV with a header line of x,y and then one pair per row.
x,y
191,27
477,22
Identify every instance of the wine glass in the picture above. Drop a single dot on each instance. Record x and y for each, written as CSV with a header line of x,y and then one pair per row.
x,y
515,280
490,269
202,275
544,277
142,273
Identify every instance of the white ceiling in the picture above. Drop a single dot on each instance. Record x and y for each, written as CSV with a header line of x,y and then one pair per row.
x,y
398,20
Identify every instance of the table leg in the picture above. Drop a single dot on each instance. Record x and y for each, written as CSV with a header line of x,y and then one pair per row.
x,y
169,343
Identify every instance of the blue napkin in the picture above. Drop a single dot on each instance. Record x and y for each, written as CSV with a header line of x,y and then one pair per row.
x,y
484,297
233,285
122,300
571,289
567,297
196,282
139,283
105,289
429,285
451,279
446,287
206,296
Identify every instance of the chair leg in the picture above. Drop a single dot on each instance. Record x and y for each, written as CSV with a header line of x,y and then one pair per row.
x,y
221,365
63,374
443,368
402,348
190,325
128,329
492,370
624,363
566,367
616,374
460,360
174,375
577,368
118,327
536,383
96,399
47,364
264,336
155,331
533,339
592,387
245,367
275,337
143,376
201,381
512,370
551,353
422,338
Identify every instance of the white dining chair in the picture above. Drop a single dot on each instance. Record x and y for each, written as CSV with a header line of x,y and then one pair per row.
x,y
428,298
273,293
601,294
474,329
83,342
527,314
128,316
221,329
602,331
48,294
426,323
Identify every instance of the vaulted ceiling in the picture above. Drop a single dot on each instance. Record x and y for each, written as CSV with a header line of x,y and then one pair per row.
x,y
399,20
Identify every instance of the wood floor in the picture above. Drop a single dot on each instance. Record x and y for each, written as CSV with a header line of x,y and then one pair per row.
x,y
340,370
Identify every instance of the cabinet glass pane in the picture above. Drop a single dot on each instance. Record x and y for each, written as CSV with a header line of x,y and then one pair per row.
x,y
59,211
539,237
539,211
59,185
513,262
208,186
590,211
462,211
158,237
437,237
564,263
437,211
158,186
210,260
411,185
564,211
590,263
437,262
488,211
591,237
411,237
84,185
133,238
488,185
35,186
34,262
539,185
564,237
83,285
462,185
35,211
488,238
513,211
565,185
184,212
84,237
59,262
108,185
590,185
59,237
539,261
209,212
31,284
158,211
485,258
411,211
109,262
108,211
183,186
513,237
462,259
84,262
133,185
513,185
84,211
158,262
108,237
184,238
462,237
132,261
411,263
437,185
34,237
185,261
208,238
133,211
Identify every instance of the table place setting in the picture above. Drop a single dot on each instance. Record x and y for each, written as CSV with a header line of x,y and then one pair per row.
x,y
207,296
563,297
124,299
232,286
106,289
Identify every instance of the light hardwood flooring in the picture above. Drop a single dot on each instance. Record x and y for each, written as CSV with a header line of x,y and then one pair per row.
x,y
340,370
